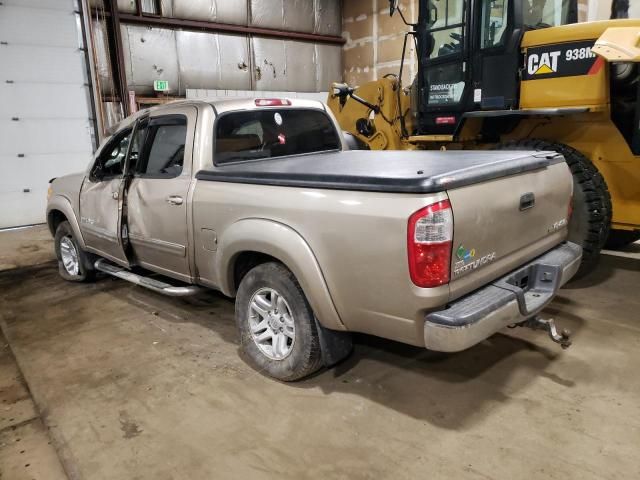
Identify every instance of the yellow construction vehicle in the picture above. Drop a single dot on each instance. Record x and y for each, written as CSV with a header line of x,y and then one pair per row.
x,y
497,74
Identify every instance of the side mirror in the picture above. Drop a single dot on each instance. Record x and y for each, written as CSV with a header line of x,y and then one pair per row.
x,y
393,6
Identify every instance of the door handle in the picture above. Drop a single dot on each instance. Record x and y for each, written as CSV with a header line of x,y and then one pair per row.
x,y
174,200
115,195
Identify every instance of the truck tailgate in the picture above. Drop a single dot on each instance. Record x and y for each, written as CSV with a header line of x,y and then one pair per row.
x,y
502,223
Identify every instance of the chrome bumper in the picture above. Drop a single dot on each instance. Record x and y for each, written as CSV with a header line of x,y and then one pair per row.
x,y
511,299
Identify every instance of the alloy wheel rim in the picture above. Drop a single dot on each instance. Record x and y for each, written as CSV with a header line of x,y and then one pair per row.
x,y
271,324
69,255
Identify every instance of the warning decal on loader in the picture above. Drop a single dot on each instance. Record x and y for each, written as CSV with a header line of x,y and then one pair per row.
x,y
565,60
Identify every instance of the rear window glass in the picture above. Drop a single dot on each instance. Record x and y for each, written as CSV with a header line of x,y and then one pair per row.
x,y
269,133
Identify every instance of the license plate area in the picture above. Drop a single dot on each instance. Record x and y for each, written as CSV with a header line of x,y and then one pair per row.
x,y
534,286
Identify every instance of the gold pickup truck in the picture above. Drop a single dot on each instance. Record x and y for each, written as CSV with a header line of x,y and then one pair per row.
x,y
263,200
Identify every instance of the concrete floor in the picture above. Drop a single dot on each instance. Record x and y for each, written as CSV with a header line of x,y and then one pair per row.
x,y
132,385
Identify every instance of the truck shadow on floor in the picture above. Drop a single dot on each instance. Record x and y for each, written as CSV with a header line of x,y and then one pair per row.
x,y
451,391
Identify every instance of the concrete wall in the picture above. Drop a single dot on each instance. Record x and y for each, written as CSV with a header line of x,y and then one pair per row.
x,y
374,40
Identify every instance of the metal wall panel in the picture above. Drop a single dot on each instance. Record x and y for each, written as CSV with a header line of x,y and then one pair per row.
x,y
127,6
103,62
328,17
297,15
283,65
220,11
213,60
328,61
152,55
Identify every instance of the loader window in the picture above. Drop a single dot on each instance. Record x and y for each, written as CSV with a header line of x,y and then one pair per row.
x,y
494,22
445,26
547,13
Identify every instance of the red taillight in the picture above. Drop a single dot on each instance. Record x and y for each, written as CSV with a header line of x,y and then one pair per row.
x,y
272,102
429,240
570,209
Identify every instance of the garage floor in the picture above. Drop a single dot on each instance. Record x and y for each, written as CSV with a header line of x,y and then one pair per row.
x,y
130,384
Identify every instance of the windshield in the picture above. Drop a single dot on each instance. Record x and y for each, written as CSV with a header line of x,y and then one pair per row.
x,y
546,13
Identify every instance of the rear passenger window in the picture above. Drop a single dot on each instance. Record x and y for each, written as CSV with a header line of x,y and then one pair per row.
x,y
269,133
163,151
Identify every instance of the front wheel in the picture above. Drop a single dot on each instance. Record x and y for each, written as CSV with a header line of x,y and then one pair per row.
x,y
591,220
73,263
277,329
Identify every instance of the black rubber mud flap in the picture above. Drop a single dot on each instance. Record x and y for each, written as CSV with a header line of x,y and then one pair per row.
x,y
335,346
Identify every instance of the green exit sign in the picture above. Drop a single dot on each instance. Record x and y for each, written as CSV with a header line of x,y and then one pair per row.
x,y
160,85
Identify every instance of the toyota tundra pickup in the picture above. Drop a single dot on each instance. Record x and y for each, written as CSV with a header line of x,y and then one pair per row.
x,y
263,200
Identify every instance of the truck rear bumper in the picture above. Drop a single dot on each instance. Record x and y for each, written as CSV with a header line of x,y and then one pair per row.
x,y
511,299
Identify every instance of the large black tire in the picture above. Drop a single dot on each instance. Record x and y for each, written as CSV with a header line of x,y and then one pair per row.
x,y
303,355
621,238
64,238
591,220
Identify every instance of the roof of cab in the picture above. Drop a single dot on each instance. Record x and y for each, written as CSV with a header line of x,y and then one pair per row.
x,y
226,105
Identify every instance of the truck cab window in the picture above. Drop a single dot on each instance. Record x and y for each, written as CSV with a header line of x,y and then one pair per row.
x,y
110,163
163,152
250,135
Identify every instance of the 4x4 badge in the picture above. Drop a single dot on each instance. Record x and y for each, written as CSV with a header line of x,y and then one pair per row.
x,y
464,254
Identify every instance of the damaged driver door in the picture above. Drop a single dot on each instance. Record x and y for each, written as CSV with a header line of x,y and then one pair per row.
x,y
101,200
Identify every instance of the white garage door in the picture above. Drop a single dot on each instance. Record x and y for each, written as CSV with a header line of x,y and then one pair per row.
x,y
45,126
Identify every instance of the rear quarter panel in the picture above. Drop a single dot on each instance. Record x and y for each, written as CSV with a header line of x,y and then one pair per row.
x,y
358,239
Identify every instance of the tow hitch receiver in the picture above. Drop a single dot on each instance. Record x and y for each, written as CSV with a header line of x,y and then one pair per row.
x,y
549,325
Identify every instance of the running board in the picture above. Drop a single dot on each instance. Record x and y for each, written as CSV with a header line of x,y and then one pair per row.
x,y
151,283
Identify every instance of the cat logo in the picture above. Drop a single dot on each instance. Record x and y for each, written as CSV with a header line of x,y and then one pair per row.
x,y
543,63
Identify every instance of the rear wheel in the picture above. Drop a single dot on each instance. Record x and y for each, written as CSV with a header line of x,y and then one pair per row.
x,y
591,220
277,329
74,264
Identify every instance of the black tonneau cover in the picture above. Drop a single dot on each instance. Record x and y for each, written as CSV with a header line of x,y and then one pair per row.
x,y
382,171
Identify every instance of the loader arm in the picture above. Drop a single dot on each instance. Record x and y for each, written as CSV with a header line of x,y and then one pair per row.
x,y
379,128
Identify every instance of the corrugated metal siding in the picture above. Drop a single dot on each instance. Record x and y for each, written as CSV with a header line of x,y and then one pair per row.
x,y
215,61
200,60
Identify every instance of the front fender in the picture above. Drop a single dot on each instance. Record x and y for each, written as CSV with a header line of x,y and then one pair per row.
x,y
281,242
63,205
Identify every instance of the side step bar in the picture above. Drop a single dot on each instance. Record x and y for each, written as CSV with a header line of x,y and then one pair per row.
x,y
151,283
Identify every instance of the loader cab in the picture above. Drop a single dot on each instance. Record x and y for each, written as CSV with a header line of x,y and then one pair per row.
x,y
469,55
